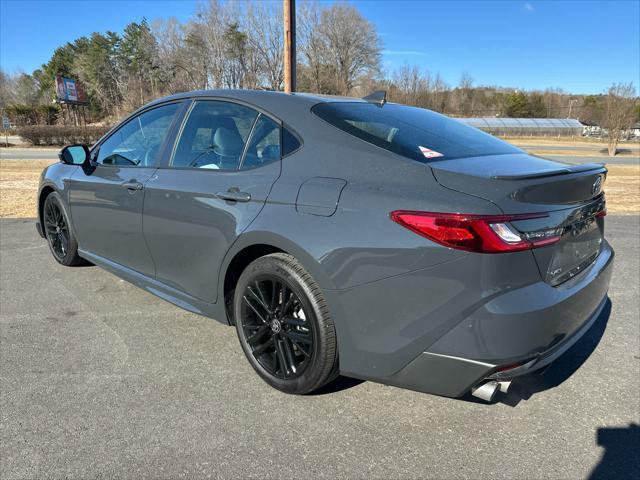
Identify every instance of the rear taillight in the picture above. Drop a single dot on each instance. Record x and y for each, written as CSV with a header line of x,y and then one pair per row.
x,y
476,233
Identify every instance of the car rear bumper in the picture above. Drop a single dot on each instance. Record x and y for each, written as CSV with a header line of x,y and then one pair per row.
x,y
453,376
527,326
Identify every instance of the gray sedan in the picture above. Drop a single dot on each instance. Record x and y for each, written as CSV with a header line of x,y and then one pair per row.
x,y
341,236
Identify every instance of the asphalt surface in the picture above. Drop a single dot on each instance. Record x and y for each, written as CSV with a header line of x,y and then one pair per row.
x,y
29,153
101,379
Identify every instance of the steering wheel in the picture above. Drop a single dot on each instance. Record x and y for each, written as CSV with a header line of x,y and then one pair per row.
x,y
117,159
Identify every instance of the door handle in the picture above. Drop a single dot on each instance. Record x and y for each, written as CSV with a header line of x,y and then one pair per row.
x,y
234,195
133,185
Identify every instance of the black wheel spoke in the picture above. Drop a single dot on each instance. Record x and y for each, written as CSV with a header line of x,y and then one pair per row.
x,y
280,356
288,303
293,321
254,309
288,351
259,299
298,337
254,327
282,295
261,295
260,349
274,291
63,242
258,334
302,349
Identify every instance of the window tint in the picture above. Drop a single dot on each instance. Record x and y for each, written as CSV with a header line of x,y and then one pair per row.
x,y
265,144
138,142
290,142
412,132
214,135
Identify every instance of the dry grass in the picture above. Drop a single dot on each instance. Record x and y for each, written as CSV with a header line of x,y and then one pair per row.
x,y
581,153
19,183
623,189
568,142
18,186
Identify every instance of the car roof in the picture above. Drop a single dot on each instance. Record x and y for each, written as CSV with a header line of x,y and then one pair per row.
x,y
281,104
260,95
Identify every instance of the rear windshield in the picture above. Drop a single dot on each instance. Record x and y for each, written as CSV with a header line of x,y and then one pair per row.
x,y
416,133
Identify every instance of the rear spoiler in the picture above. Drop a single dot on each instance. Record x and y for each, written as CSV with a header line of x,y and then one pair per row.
x,y
559,171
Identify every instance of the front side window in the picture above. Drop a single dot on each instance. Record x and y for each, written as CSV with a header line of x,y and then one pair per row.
x,y
138,142
412,132
214,136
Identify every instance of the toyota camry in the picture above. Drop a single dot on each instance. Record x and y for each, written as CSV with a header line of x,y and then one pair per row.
x,y
341,236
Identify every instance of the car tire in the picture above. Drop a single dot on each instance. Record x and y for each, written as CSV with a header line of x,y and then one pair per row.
x,y
284,325
59,233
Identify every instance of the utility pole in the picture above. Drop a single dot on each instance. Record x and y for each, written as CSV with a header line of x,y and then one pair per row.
x,y
571,102
289,46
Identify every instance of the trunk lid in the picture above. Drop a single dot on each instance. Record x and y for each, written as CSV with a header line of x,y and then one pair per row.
x,y
570,195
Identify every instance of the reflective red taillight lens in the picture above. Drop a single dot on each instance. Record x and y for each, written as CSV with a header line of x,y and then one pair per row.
x,y
475,233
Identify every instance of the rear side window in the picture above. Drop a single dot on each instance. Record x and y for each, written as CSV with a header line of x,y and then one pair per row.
x,y
264,146
214,136
290,142
412,132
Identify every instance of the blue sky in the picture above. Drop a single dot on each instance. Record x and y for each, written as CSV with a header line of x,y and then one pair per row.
x,y
580,46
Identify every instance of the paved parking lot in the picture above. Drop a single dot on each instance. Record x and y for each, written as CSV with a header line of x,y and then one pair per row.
x,y
100,379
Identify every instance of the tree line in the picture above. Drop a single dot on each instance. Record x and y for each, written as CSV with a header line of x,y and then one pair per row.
x,y
240,45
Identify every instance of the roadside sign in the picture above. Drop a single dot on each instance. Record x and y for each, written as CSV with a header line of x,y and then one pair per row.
x,y
70,91
6,124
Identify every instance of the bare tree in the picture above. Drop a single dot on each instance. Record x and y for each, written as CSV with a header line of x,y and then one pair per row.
x,y
465,95
265,36
411,84
312,45
619,112
353,46
439,93
176,65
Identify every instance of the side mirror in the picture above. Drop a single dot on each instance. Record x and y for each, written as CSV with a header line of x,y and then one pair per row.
x,y
74,154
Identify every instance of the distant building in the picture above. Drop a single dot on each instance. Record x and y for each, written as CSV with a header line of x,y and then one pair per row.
x,y
591,129
524,127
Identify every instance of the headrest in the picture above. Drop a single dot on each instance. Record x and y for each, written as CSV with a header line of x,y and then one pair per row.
x,y
227,142
271,152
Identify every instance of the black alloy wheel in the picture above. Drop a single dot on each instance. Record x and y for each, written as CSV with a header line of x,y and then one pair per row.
x,y
284,325
59,233
275,327
57,230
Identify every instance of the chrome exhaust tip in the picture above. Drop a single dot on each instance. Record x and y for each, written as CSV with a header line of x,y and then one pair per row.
x,y
486,391
504,386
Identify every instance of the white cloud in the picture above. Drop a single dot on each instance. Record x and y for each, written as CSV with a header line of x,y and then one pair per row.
x,y
528,7
403,52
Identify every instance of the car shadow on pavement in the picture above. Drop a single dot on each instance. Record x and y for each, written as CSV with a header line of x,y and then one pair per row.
x,y
338,384
620,459
523,388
